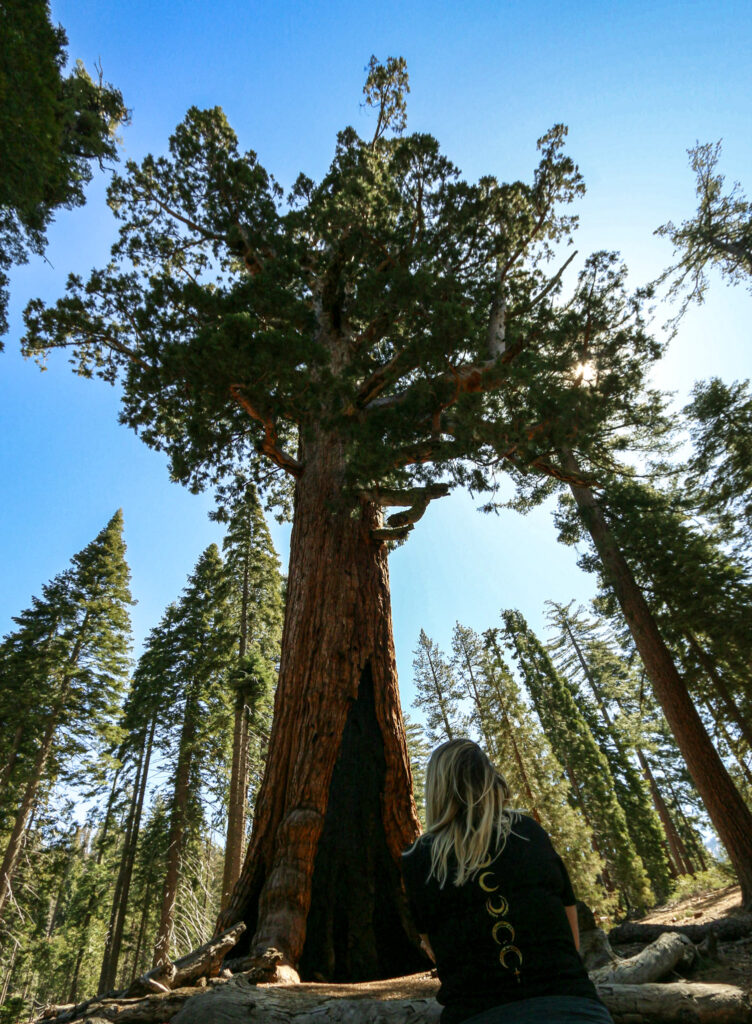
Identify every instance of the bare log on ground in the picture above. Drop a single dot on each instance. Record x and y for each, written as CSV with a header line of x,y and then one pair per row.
x,y
200,963
677,1003
151,1009
651,964
726,929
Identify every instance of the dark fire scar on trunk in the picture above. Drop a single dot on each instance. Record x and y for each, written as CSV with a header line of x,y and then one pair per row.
x,y
357,928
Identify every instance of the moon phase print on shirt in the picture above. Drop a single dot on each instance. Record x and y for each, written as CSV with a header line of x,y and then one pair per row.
x,y
502,931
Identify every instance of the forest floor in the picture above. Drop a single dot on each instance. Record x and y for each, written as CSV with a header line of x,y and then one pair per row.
x,y
733,965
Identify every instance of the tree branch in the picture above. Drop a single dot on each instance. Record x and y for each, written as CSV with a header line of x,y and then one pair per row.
x,y
270,445
416,498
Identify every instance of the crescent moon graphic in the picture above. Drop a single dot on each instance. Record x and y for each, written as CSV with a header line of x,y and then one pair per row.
x,y
497,906
484,886
499,925
486,863
504,953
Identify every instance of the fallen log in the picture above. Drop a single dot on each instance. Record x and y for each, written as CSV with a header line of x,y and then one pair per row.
x,y
657,960
725,929
680,1002
398,1000
199,963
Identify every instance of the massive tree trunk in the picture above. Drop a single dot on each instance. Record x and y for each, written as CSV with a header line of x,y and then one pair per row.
x,y
321,878
728,811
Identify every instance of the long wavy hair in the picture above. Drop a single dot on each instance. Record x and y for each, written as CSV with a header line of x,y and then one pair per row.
x,y
467,809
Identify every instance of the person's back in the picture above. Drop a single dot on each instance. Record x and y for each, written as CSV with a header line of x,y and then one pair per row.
x,y
502,938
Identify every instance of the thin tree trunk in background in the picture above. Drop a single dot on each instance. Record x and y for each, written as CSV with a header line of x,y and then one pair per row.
x,y
9,972
475,696
676,846
513,740
72,993
440,698
691,830
12,757
730,742
726,808
236,812
176,836
732,708
145,908
111,956
13,849
335,810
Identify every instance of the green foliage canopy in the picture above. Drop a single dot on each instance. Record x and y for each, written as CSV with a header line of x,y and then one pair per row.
x,y
53,128
393,306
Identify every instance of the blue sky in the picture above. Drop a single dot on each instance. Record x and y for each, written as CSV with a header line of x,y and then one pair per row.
x,y
637,84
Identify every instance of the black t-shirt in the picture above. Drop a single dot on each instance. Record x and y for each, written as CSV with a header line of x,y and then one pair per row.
x,y
503,935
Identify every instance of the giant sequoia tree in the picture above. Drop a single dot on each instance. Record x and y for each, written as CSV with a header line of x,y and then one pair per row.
x,y
371,339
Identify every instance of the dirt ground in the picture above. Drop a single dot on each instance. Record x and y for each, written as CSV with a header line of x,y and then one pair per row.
x,y
734,963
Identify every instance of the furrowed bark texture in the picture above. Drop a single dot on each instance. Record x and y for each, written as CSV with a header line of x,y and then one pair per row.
x,y
338,774
728,811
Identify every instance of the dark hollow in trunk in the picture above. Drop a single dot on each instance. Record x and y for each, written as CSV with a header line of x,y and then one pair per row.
x,y
356,923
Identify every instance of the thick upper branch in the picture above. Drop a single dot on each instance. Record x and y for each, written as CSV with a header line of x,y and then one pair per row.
x,y
270,444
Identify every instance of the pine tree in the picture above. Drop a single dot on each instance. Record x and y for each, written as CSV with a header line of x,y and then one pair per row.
x,y
253,567
720,233
202,640
438,692
534,773
586,766
583,660
419,750
79,670
719,420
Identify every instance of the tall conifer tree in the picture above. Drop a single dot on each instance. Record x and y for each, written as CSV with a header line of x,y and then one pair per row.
x,y
78,670
586,766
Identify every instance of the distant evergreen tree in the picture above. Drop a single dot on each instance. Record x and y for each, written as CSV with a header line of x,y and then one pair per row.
x,y
71,650
719,420
253,569
438,692
419,751
538,781
202,635
719,234
594,674
585,764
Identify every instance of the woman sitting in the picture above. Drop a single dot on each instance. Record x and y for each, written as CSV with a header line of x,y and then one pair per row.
x,y
494,903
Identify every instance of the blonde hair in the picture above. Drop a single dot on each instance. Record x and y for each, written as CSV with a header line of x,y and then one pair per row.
x,y
466,808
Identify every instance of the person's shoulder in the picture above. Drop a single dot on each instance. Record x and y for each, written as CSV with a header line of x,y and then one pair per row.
x,y
526,827
420,847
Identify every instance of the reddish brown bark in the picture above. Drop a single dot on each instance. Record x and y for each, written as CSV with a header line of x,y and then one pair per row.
x,y
727,810
337,774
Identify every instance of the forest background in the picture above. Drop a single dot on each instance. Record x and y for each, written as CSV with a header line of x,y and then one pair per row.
x,y
636,88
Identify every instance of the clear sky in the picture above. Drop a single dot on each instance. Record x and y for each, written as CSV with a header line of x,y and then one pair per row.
x,y
637,83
